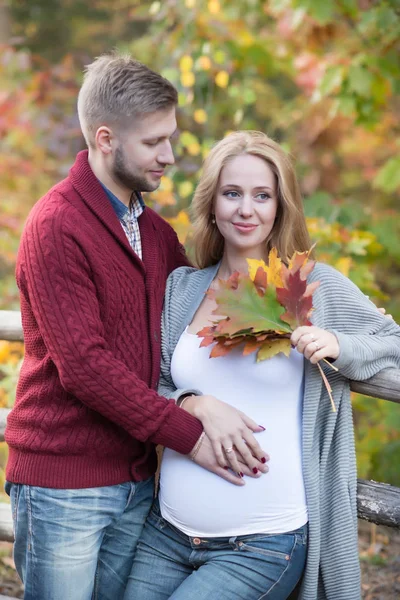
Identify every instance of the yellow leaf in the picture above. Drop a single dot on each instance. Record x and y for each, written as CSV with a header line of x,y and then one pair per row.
x,y
187,79
344,264
254,264
181,224
190,3
245,39
200,115
167,184
186,138
219,57
5,350
214,7
154,8
204,63
222,79
186,63
274,269
185,189
274,347
163,198
194,149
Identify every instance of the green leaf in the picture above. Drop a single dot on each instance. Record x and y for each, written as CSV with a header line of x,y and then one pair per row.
x,y
322,10
360,80
247,309
331,80
388,178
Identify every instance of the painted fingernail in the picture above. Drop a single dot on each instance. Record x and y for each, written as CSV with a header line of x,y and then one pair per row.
x,y
226,468
293,346
263,460
241,474
261,427
255,470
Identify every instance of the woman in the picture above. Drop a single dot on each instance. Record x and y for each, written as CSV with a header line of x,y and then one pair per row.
x,y
204,537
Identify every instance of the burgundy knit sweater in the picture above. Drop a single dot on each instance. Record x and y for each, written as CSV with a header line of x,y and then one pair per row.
x,y
86,413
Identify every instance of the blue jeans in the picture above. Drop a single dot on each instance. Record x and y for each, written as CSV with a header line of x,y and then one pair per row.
x,y
77,544
169,564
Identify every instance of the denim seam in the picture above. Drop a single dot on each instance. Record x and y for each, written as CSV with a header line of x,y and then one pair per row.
x,y
30,554
17,488
131,494
283,572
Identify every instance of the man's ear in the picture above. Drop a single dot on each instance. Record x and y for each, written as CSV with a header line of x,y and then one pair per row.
x,y
104,139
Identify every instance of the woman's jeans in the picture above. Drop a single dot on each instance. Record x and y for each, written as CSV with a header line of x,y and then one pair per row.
x,y
170,564
77,544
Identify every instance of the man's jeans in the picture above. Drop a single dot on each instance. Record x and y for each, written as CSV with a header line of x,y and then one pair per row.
x,y
77,544
170,564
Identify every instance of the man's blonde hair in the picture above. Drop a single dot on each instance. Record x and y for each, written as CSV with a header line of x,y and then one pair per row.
x,y
116,89
289,232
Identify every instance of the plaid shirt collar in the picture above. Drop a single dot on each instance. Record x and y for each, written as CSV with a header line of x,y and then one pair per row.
x,y
121,210
128,217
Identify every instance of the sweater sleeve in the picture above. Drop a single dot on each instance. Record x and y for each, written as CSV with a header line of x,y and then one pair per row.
x,y
55,278
166,386
368,341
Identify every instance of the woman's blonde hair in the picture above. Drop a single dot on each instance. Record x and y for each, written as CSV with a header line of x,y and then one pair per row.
x,y
289,232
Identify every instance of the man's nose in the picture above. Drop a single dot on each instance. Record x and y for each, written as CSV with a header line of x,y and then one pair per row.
x,y
166,155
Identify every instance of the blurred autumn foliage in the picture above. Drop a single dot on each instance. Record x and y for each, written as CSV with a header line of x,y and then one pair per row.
x,y
322,78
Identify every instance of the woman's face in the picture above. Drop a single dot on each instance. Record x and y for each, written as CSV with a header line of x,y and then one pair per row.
x,y
245,205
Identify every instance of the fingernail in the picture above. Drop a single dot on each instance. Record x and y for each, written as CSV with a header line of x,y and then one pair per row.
x,y
261,427
263,460
226,468
241,474
293,346
255,470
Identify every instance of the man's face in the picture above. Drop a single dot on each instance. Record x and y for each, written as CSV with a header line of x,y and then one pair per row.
x,y
143,152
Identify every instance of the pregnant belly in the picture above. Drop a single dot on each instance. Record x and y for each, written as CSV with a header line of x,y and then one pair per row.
x,y
200,503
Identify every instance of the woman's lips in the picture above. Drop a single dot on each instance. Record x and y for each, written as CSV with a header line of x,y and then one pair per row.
x,y
245,227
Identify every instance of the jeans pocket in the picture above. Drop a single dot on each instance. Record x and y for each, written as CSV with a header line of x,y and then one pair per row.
x,y
272,546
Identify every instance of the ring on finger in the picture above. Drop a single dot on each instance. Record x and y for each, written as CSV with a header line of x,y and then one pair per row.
x,y
316,345
228,450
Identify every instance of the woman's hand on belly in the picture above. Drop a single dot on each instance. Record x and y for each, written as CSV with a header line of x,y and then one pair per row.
x,y
229,429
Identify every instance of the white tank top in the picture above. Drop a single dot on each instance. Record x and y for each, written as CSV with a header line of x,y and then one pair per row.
x,y
200,503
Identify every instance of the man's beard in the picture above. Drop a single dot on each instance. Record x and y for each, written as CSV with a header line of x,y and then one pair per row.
x,y
130,180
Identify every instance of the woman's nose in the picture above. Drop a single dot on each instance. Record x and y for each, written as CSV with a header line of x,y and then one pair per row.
x,y
246,207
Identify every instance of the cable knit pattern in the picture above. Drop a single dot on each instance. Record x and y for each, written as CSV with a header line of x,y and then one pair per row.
x,y
86,412
369,343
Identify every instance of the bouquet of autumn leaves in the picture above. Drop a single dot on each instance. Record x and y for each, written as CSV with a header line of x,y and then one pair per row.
x,y
263,308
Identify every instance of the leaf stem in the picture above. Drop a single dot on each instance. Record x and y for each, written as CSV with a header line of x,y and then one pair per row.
x,y
330,365
328,387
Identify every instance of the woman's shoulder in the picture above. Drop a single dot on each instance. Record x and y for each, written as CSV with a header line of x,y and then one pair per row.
x,y
187,281
333,281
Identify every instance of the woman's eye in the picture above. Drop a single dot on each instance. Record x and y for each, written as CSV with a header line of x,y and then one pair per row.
x,y
262,196
151,143
231,194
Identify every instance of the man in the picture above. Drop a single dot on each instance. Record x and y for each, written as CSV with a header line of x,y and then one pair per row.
x,y
91,270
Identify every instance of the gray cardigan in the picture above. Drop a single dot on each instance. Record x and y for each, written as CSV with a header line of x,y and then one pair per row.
x,y
369,342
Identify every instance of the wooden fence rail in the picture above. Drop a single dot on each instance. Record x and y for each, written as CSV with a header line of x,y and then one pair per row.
x,y
376,502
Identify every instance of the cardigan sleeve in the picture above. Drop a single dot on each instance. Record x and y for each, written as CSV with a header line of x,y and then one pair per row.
x,y
56,280
368,341
166,386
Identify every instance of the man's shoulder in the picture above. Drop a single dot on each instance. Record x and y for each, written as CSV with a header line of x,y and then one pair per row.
x,y
54,201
